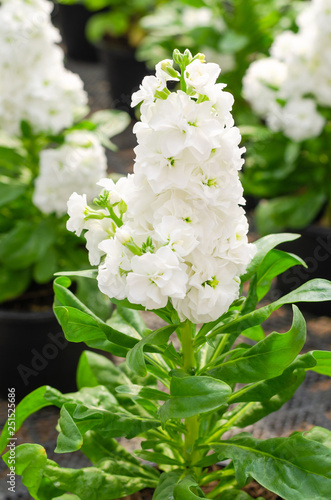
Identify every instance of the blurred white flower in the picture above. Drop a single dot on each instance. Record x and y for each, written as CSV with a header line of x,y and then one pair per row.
x,y
77,164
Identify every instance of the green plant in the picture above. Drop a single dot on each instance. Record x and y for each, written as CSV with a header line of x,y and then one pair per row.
x,y
35,244
115,19
183,402
224,372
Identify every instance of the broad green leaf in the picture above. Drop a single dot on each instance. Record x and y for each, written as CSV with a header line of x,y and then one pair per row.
x,y
69,438
157,458
263,246
264,390
177,486
255,333
10,191
95,408
95,369
13,282
194,395
44,268
29,405
316,290
320,435
30,462
105,482
266,359
293,468
187,489
142,392
292,211
135,357
89,273
133,318
323,362
26,243
274,263
67,496
96,447
234,494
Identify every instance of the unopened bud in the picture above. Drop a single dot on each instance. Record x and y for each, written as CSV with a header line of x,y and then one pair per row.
x,y
123,236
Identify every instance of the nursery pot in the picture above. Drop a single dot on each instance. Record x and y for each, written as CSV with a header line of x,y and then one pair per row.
x,y
34,352
72,21
314,247
124,73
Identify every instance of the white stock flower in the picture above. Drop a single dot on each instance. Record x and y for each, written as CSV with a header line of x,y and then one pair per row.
x,y
35,86
77,209
286,88
77,164
155,277
181,236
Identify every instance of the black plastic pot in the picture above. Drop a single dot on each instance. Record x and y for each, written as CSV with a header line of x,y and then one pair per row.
x,y
124,73
314,247
35,352
72,20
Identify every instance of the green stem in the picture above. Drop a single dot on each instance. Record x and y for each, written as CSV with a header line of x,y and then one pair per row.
x,y
219,349
186,332
219,433
186,338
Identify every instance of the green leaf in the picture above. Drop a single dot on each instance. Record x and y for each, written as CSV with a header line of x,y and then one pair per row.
x,y
175,485
187,489
95,408
320,435
89,273
135,357
273,264
29,405
142,392
316,290
194,395
323,362
26,243
293,468
80,324
96,447
132,318
292,211
44,269
69,438
13,282
263,246
9,191
157,458
30,462
266,359
234,494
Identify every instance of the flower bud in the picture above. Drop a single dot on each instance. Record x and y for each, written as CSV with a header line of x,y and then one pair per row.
x,y
123,236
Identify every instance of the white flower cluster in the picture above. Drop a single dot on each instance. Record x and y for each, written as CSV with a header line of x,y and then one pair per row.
x,y
174,230
286,88
34,84
77,164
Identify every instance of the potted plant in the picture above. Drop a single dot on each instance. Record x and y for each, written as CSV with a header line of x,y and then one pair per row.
x,y
182,403
289,159
46,147
114,28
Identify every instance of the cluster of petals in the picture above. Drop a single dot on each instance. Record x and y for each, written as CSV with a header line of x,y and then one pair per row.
x,y
174,230
75,165
34,85
288,88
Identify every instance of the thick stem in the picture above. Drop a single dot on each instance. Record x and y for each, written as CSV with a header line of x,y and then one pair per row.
x,y
189,363
186,338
